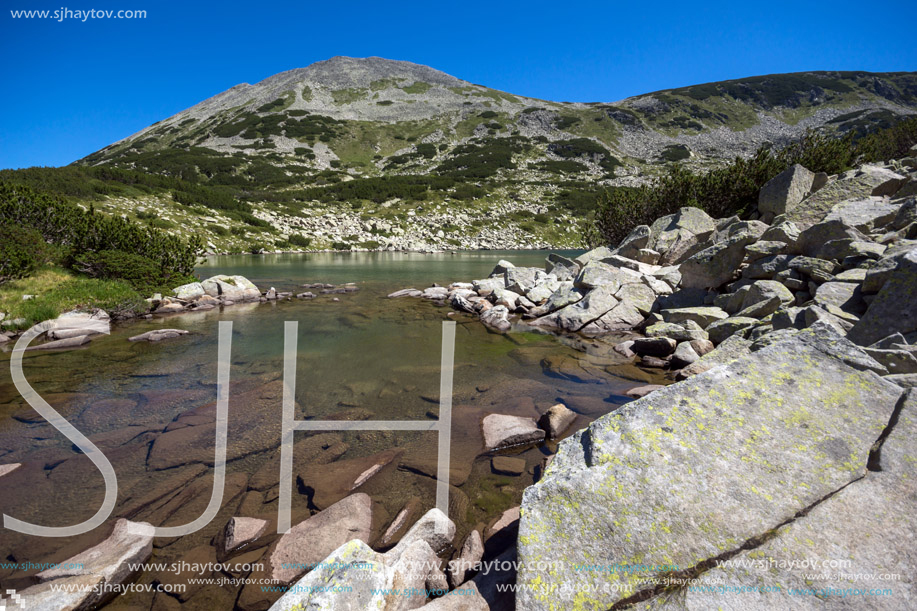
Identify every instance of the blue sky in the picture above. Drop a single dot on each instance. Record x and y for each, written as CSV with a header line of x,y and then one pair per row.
x,y
72,87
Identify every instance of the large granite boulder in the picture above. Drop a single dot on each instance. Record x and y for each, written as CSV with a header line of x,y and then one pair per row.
x,y
677,236
309,542
894,309
696,470
575,316
231,288
717,264
783,192
839,555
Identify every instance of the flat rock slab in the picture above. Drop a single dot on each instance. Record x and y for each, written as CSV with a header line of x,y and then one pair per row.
x,y
131,543
868,526
238,533
697,469
507,465
310,541
158,335
502,431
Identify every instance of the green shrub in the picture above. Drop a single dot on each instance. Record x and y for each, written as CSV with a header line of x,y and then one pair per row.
x,y
22,251
299,240
142,273
340,246
218,230
77,231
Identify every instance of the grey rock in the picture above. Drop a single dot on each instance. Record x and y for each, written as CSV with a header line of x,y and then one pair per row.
x,y
574,317
762,248
232,288
556,420
893,309
562,267
497,318
684,355
158,335
813,239
722,329
433,528
598,273
771,338
596,254
640,296
238,533
906,214
765,290
715,265
865,214
654,346
467,597
466,560
665,231
313,539
761,309
785,232
844,295
861,525
784,192
501,431
523,279
486,286
62,344
702,315
501,267
890,184
678,332
110,563
565,295
820,270
767,268
895,361
710,456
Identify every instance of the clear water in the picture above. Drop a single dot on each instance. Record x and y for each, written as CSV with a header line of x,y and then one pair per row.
x,y
149,408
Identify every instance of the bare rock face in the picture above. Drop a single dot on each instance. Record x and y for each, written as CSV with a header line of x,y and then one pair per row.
x,y
108,563
310,541
722,458
832,534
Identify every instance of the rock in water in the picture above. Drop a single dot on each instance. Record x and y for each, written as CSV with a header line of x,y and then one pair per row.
x,y
502,431
556,420
238,533
311,540
698,468
109,563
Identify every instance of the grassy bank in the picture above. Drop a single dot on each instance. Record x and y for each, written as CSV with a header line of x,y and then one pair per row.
x,y
58,290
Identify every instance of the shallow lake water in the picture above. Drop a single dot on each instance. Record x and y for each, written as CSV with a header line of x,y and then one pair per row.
x,y
149,407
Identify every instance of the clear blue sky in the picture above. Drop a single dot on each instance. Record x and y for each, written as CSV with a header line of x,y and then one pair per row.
x,y
72,87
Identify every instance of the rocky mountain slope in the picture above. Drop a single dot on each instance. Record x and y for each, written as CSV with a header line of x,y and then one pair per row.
x,y
375,153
